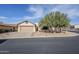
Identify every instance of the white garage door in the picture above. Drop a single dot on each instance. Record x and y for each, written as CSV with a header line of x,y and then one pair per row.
x,y
26,29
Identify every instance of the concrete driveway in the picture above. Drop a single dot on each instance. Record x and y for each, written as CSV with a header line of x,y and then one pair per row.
x,y
15,35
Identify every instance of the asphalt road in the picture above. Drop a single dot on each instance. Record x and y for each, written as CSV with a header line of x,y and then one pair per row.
x,y
65,45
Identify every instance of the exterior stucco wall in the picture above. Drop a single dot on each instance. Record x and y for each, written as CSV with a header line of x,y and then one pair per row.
x,y
8,27
26,27
27,24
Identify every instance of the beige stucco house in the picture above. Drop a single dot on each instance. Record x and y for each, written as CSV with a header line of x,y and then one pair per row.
x,y
8,27
26,26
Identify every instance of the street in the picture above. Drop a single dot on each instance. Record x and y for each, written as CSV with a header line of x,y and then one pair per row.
x,y
52,45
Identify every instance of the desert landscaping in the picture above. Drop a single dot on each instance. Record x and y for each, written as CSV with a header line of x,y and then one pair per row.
x,y
39,29
55,24
13,35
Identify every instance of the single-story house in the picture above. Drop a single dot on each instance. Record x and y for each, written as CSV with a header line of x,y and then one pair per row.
x,y
26,26
7,27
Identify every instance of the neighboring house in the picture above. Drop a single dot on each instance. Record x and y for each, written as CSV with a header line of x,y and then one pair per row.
x,y
76,26
26,26
12,27
8,27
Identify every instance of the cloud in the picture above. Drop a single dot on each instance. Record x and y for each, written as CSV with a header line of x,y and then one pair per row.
x,y
3,17
37,12
70,10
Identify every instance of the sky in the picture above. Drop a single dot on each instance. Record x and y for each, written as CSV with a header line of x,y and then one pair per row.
x,y
15,13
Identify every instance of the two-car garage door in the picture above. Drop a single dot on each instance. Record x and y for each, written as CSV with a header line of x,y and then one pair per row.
x,y
27,29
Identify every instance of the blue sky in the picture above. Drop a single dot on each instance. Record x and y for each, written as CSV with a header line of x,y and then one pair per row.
x,y
15,13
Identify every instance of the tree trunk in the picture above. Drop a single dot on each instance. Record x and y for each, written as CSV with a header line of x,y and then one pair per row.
x,y
60,29
55,30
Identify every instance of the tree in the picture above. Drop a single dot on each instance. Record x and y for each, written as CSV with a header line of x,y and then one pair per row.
x,y
55,20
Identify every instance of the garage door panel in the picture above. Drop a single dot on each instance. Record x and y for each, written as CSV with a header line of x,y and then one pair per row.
x,y
26,29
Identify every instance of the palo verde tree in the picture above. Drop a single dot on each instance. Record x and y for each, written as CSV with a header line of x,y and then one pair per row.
x,y
55,20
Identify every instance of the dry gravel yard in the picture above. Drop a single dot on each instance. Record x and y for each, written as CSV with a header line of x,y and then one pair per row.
x,y
42,34
35,35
